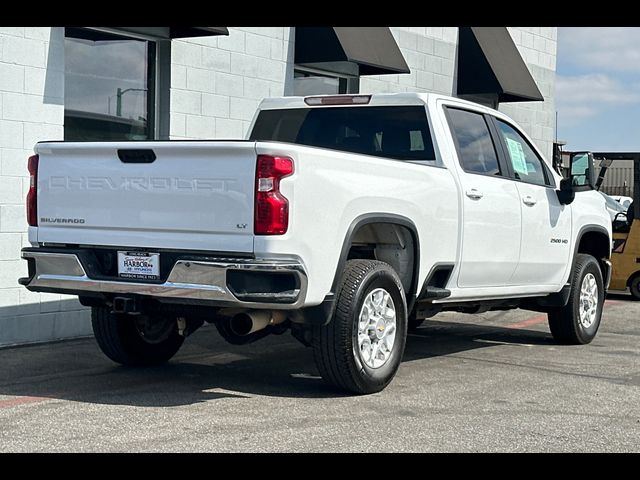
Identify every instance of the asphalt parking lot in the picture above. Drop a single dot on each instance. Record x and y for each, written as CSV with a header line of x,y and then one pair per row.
x,y
487,382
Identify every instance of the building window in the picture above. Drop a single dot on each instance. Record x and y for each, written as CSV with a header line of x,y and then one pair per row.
x,y
109,86
319,82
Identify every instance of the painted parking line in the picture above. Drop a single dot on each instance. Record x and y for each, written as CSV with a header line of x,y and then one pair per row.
x,y
14,402
529,321
613,302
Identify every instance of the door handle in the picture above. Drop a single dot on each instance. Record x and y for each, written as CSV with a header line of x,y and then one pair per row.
x,y
474,194
529,200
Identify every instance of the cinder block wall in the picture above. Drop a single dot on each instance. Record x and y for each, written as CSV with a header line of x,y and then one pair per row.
x,y
538,47
252,63
218,82
32,109
431,55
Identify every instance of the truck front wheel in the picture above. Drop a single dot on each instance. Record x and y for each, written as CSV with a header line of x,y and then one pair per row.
x,y
135,340
361,348
577,322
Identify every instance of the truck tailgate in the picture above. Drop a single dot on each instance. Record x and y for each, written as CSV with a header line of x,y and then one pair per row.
x,y
195,195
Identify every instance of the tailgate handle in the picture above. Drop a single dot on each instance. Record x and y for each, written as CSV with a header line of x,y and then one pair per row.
x,y
137,155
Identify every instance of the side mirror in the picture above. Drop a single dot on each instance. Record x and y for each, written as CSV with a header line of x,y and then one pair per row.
x,y
566,194
581,177
581,171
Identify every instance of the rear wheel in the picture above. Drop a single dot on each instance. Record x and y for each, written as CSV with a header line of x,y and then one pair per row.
x,y
577,322
135,340
361,348
634,287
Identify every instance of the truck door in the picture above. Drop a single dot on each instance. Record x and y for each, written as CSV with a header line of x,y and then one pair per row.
x,y
546,224
491,205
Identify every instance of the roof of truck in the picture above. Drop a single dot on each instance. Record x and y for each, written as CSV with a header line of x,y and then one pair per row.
x,y
406,98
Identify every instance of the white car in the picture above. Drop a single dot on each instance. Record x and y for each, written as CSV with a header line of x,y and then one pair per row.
x,y
346,219
622,200
617,211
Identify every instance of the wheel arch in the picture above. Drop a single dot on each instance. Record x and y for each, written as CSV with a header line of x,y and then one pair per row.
x,y
595,241
380,218
321,314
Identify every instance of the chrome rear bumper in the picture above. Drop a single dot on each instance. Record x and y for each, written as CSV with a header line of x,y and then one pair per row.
x,y
194,280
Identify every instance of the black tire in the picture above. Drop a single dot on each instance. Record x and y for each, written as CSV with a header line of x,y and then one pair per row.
x,y
564,322
634,287
335,345
414,323
119,338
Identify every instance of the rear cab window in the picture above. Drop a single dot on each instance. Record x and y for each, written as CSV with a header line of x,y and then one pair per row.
x,y
396,132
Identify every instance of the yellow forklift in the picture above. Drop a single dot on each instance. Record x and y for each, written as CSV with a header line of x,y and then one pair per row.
x,y
625,255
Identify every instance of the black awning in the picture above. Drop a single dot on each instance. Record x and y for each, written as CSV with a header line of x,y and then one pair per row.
x,y
176,32
373,49
489,63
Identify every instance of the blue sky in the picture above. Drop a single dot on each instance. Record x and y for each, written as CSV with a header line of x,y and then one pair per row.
x,y
598,88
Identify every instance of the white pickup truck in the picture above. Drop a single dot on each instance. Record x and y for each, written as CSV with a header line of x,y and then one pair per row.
x,y
346,219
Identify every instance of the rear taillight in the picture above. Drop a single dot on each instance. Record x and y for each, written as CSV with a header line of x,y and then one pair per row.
x,y
272,208
32,196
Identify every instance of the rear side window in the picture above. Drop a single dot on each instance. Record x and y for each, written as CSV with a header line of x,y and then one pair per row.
x,y
475,147
400,132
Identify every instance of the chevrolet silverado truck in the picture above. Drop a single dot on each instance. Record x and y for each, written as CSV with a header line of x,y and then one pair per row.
x,y
345,219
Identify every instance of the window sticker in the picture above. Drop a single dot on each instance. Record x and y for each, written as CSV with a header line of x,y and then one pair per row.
x,y
417,143
517,157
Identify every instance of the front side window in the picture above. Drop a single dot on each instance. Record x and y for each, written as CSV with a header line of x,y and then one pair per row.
x,y
109,86
526,164
475,147
399,132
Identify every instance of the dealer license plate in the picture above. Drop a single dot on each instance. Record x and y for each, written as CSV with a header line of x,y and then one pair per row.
x,y
139,265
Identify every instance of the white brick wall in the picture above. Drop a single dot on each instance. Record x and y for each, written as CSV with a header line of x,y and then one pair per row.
x,y
538,46
31,109
229,75
218,82
430,53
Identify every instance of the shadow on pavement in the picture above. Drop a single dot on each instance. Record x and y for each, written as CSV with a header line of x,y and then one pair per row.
x,y
620,296
436,338
207,368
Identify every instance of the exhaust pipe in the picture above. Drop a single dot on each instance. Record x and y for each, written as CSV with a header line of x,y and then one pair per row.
x,y
248,326
246,323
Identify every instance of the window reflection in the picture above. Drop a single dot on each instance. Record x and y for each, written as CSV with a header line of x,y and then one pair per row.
x,y
313,83
109,88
